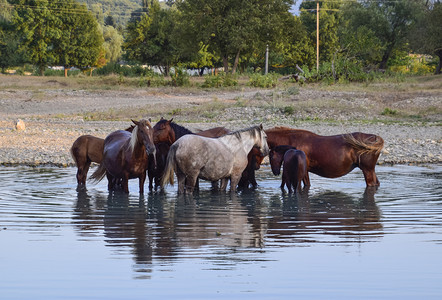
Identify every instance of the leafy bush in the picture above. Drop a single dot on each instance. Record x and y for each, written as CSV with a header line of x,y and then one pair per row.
x,y
263,81
179,77
220,80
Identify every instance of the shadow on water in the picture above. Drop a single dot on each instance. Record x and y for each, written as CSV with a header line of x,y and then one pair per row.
x,y
165,227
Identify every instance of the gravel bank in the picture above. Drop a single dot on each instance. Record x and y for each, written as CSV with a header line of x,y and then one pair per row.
x,y
53,114
48,142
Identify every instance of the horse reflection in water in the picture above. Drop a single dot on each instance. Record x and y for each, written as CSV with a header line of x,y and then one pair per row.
x,y
223,158
154,232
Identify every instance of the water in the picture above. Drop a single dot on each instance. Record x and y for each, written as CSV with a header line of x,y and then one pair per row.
x,y
338,240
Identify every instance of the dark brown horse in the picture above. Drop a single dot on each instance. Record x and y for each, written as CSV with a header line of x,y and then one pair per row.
x,y
332,156
155,171
255,159
167,131
294,169
85,150
126,156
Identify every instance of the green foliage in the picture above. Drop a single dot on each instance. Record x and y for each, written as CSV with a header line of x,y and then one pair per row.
x,y
389,112
220,80
179,77
124,70
288,110
264,81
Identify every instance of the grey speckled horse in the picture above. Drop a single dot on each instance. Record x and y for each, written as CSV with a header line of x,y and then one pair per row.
x,y
193,156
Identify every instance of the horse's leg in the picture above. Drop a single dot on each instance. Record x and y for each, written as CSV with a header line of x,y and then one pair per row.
x,y
191,181
223,185
181,178
125,183
84,172
306,180
110,182
234,179
370,177
141,181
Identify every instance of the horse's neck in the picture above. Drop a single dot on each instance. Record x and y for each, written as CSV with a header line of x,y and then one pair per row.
x,y
235,144
180,130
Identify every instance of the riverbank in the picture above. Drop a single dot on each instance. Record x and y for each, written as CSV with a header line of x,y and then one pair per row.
x,y
56,112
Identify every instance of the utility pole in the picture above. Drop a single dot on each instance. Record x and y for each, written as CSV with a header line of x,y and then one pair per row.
x,y
317,35
267,60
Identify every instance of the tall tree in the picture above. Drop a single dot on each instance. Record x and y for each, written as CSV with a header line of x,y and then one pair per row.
x,y
389,21
80,41
426,37
232,27
37,26
150,39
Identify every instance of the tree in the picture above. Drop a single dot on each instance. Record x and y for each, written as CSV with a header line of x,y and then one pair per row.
x,y
80,41
388,21
232,27
113,42
37,27
9,54
426,37
150,40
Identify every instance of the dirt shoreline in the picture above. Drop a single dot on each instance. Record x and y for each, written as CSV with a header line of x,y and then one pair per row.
x,y
54,117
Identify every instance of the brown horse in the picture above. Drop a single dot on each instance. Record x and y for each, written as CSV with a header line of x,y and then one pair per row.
x,y
85,150
155,171
126,156
294,169
255,159
332,156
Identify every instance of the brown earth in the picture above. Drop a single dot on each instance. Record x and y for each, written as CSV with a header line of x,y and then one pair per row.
x,y
57,110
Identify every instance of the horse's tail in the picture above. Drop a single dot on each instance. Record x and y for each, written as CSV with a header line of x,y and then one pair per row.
x,y
170,167
99,173
71,151
370,144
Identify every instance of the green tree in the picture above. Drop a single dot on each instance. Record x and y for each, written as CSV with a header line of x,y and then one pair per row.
x,y
113,42
80,41
426,37
9,55
387,24
232,27
150,39
37,27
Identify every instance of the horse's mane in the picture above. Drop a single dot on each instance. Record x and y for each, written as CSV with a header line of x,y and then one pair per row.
x,y
134,138
254,131
178,129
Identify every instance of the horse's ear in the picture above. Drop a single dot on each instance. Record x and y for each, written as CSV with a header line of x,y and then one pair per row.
x,y
162,118
170,121
260,126
135,122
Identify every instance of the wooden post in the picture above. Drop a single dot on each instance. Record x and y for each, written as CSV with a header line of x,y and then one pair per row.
x,y
317,35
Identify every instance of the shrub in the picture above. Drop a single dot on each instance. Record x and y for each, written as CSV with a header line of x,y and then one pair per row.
x,y
220,80
263,81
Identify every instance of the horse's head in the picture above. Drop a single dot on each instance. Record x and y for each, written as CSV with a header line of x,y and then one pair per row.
x,y
261,142
163,132
276,159
144,134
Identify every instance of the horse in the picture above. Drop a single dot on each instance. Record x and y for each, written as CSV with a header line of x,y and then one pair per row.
x,y
126,156
155,171
224,158
85,150
167,131
332,156
255,159
295,166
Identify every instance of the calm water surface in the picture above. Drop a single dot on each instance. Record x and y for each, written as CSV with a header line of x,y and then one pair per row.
x,y
336,241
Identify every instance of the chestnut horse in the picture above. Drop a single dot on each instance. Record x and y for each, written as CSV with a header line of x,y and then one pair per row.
x,y
224,158
332,156
126,156
167,131
85,150
294,169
